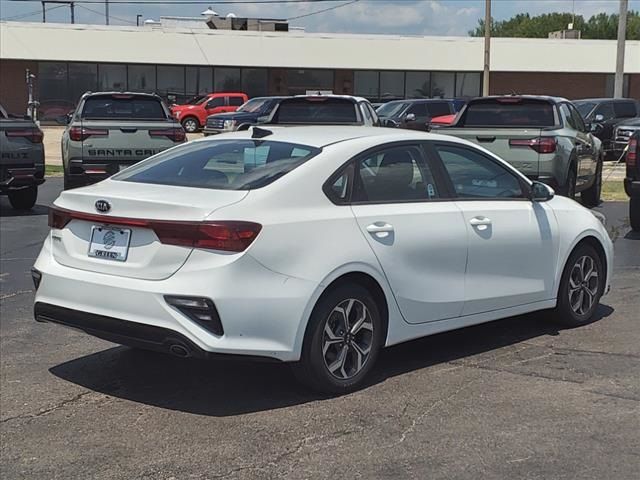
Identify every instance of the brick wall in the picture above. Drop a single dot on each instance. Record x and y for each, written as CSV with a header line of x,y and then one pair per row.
x,y
13,88
634,86
568,85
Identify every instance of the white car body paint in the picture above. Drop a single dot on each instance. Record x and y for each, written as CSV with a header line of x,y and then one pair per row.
x,y
266,294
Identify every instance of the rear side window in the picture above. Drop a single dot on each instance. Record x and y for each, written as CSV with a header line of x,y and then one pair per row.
x,y
236,101
437,109
475,176
222,165
123,107
625,109
509,113
317,111
606,110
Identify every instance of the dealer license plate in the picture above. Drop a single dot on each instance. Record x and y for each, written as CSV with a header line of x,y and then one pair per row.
x,y
109,243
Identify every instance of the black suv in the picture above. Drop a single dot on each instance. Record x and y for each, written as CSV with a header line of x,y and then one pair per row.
x,y
324,110
632,180
256,110
414,114
603,114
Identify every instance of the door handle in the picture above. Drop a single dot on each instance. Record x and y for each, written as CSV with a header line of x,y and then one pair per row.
x,y
380,229
481,223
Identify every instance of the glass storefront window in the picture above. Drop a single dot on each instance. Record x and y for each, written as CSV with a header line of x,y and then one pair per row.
x,y
199,80
142,78
442,84
255,82
366,84
300,81
53,89
467,84
418,85
171,82
83,77
226,80
112,77
391,85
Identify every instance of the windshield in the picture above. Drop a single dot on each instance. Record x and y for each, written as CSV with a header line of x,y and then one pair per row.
x,y
253,106
509,113
317,110
391,109
221,165
584,108
107,107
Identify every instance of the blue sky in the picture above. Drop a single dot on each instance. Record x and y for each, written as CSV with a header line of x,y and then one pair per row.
x,y
411,17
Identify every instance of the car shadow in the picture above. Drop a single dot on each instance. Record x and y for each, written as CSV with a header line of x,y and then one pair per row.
x,y
227,388
6,210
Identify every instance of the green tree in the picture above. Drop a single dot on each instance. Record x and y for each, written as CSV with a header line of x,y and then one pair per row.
x,y
600,26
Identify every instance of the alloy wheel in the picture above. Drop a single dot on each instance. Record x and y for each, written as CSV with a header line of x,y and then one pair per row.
x,y
583,285
190,125
347,339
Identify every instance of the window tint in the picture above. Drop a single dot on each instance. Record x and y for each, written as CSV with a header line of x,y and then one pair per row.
x,y
577,118
216,102
509,113
475,176
222,165
317,111
437,109
123,106
625,109
236,101
585,108
606,110
419,110
566,115
396,174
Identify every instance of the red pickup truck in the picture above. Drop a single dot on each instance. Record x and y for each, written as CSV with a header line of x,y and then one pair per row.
x,y
193,116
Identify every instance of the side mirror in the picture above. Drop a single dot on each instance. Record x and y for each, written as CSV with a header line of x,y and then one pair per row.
x,y
410,117
598,118
541,192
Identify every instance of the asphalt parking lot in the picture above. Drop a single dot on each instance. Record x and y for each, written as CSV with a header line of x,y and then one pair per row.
x,y
516,398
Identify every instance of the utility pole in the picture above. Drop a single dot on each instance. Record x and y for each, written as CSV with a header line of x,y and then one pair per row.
x,y
72,6
618,90
487,47
44,13
106,11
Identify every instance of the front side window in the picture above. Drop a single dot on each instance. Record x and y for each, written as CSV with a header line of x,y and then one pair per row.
x,y
397,174
577,118
606,110
476,176
216,102
254,105
419,110
221,165
568,118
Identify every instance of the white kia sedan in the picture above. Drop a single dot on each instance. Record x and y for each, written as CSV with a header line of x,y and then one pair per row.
x,y
317,246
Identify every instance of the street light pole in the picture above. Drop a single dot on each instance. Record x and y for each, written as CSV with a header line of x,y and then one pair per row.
x,y
487,47
618,89
106,11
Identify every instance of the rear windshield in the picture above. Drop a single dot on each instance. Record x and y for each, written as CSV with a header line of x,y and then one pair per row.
x,y
317,111
509,113
123,107
221,164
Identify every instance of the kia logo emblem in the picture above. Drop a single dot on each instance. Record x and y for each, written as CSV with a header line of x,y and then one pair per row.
x,y
103,206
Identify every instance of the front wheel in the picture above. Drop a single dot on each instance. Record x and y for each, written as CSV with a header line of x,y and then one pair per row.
x,y
581,287
634,213
342,341
23,199
190,125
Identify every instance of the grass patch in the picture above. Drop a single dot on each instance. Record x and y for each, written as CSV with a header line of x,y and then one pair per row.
x,y
53,170
613,190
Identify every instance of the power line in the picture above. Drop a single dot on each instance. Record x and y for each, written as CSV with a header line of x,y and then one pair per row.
x,y
104,15
192,2
30,14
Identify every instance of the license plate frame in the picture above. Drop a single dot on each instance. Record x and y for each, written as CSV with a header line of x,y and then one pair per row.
x,y
109,243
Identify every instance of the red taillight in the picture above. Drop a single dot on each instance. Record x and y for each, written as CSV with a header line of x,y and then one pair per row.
x,y
34,135
79,134
539,144
230,236
632,153
174,134
509,100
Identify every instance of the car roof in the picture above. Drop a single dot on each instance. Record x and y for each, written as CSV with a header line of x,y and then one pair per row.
x,y
322,136
107,93
600,100
526,97
346,97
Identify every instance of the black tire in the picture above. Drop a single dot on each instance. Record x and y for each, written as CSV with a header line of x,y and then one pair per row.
x,y
23,199
569,188
312,370
566,312
634,213
190,124
591,196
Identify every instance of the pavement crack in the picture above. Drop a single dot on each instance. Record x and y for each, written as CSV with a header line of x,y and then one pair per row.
x,y
14,294
46,411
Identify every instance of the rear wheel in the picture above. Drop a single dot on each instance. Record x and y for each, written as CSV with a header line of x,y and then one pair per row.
x,y
190,125
23,199
591,196
634,213
581,287
342,341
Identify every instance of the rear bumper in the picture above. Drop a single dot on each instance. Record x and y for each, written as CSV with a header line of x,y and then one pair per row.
x,y
261,311
82,173
632,187
16,178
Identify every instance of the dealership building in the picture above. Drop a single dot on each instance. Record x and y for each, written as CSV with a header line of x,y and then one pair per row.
x,y
185,58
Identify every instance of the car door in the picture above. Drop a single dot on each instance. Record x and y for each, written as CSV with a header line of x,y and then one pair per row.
x,y
419,239
420,115
512,247
591,154
582,143
215,105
